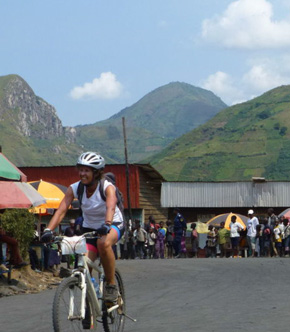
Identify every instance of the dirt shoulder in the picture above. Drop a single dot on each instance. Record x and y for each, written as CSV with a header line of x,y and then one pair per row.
x,y
25,281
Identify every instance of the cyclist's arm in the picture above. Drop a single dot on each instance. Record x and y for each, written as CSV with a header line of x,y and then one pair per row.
x,y
61,211
111,202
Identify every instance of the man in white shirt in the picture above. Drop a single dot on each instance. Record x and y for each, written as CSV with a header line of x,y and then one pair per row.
x,y
252,232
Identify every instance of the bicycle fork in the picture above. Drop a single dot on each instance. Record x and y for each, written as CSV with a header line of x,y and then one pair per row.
x,y
83,287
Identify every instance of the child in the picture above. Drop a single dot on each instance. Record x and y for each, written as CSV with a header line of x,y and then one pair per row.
x,y
223,238
278,239
160,240
194,240
211,241
151,239
266,238
169,238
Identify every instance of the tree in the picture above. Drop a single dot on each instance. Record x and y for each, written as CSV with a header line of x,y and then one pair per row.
x,y
19,223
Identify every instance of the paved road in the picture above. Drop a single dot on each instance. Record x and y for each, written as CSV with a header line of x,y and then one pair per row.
x,y
204,295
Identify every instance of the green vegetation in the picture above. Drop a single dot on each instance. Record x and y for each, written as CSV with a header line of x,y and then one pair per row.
x,y
242,141
184,131
20,224
152,123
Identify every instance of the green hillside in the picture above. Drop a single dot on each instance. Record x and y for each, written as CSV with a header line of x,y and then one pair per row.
x,y
242,141
153,122
31,134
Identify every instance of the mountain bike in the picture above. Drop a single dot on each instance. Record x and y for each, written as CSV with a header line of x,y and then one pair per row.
x,y
77,304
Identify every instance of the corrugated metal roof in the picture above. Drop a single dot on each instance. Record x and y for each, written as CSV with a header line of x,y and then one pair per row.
x,y
225,194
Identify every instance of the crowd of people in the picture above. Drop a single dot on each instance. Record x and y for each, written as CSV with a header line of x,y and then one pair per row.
x,y
164,239
268,237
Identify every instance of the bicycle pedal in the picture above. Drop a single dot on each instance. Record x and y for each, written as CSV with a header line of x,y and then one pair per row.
x,y
120,303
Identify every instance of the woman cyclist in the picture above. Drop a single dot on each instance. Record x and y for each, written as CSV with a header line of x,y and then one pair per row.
x,y
98,214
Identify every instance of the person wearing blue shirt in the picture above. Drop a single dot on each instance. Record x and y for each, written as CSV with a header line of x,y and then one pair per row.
x,y
179,229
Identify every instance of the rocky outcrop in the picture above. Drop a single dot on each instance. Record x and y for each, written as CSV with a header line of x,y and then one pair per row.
x,y
31,115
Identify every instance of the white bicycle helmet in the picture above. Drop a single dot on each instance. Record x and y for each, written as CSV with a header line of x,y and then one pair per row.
x,y
91,159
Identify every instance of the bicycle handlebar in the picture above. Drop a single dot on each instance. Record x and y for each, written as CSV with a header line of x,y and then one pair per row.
x,y
88,235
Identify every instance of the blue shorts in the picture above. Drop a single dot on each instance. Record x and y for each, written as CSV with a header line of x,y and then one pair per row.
x,y
118,227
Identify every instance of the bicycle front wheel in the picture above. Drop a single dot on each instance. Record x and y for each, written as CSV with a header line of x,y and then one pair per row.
x,y
115,321
66,311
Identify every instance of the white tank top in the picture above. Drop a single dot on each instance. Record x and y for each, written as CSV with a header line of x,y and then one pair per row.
x,y
94,207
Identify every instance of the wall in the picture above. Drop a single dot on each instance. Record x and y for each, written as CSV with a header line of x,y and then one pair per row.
x,y
149,197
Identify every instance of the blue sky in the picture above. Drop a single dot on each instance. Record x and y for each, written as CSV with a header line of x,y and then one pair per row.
x,y
92,58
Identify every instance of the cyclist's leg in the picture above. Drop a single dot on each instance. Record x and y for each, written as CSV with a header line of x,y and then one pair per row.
x,y
107,254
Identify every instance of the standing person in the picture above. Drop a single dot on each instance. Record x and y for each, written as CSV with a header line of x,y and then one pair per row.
x,y
282,225
223,235
235,229
194,240
272,218
183,251
70,231
211,241
267,241
252,223
151,223
287,237
104,216
151,239
259,232
169,238
179,228
141,237
131,246
277,239
160,241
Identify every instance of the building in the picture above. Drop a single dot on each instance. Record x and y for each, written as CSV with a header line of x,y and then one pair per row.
x,y
203,200
145,186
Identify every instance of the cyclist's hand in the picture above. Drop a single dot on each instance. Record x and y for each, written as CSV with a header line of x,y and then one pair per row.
x,y
47,235
105,229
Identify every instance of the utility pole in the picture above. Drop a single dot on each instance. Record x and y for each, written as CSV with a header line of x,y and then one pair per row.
x,y
128,185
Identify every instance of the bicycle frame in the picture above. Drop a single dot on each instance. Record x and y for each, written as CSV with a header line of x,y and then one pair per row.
x,y
84,276
77,245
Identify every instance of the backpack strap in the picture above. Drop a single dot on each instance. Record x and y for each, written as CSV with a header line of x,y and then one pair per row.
x,y
101,189
80,192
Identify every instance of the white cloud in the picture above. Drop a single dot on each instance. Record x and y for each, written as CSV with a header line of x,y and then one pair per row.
x,y
263,75
247,24
261,78
104,87
222,85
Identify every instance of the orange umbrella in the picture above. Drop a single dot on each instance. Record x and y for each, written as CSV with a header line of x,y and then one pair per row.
x,y
52,192
226,217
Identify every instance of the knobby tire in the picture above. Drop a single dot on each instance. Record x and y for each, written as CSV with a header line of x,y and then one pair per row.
x,y
60,309
114,322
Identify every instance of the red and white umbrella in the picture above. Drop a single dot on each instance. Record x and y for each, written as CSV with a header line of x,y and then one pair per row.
x,y
19,195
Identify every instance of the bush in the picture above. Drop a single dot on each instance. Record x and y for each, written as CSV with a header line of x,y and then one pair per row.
x,y
283,131
19,223
264,115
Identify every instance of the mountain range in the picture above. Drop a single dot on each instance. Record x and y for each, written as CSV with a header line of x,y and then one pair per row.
x,y
31,133
185,132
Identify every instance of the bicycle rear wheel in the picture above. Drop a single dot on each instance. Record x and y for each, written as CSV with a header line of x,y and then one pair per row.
x,y
115,321
68,294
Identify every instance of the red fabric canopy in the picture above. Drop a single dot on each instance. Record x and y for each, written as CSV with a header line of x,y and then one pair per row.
x,y
18,195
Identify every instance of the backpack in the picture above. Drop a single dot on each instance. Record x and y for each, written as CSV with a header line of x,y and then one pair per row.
x,y
112,179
